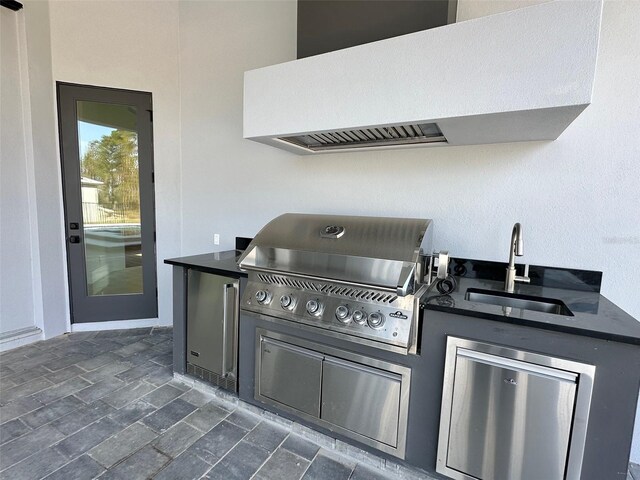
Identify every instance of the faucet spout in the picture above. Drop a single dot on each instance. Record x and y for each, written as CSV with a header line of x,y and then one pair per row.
x,y
516,249
517,245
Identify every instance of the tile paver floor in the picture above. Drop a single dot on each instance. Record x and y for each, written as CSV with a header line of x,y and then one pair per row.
x,y
104,405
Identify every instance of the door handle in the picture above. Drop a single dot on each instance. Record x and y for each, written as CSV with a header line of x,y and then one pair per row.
x,y
226,309
229,306
74,239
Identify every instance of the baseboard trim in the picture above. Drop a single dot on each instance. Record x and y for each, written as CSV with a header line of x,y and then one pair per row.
x,y
117,325
17,338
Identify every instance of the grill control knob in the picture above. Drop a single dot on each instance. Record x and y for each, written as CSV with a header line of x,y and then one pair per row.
x,y
359,317
263,296
342,314
286,301
376,320
314,307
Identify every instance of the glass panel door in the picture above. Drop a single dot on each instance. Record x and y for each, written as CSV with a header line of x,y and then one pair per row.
x,y
108,180
110,186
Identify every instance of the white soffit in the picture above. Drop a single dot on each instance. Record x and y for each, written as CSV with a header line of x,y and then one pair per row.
x,y
521,75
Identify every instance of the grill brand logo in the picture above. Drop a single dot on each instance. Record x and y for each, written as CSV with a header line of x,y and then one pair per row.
x,y
398,314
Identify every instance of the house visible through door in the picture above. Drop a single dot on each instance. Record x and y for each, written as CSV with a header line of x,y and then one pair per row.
x,y
107,172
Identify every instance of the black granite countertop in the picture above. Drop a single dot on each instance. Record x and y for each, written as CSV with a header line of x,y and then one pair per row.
x,y
220,263
593,314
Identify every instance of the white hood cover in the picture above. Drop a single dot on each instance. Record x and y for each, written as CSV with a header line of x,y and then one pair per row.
x,y
517,76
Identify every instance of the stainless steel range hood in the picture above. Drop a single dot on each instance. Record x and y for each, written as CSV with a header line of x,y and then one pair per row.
x,y
522,75
369,137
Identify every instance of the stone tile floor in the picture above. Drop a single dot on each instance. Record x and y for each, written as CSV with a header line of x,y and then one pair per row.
x,y
105,405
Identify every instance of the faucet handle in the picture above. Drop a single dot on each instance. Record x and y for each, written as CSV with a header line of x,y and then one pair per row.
x,y
524,278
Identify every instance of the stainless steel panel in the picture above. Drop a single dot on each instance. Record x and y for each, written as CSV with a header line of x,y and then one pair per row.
x,y
360,271
394,371
400,316
361,399
362,250
514,300
207,295
230,329
511,414
508,423
328,333
290,375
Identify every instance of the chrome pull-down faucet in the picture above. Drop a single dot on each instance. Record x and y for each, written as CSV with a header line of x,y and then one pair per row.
x,y
516,250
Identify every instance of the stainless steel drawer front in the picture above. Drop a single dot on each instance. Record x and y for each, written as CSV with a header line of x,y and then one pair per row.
x,y
511,414
291,376
508,423
361,399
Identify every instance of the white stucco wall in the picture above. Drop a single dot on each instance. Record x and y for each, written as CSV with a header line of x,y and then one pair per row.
x,y
16,278
132,45
578,198
47,228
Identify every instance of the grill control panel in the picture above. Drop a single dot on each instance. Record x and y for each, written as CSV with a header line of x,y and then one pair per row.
x,y
388,322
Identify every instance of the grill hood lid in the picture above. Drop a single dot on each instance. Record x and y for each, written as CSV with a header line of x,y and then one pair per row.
x,y
521,75
364,251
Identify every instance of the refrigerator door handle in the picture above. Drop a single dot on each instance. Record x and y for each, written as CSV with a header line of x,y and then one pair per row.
x,y
227,309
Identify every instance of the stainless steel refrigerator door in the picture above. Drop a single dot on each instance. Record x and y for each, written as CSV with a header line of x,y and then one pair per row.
x,y
509,419
361,399
212,322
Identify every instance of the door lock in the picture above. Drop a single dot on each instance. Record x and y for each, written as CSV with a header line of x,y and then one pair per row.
x,y
74,239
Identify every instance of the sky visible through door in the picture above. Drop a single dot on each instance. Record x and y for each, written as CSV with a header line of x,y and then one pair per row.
x,y
108,147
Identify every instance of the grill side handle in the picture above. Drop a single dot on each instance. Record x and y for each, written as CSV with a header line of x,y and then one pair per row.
x,y
406,280
415,322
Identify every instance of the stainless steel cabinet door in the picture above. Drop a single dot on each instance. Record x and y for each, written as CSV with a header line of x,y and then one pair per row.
x,y
290,375
361,399
211,321
509,419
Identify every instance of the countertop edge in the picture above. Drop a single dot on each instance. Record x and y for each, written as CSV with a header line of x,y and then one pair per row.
x,y
210,265
535,324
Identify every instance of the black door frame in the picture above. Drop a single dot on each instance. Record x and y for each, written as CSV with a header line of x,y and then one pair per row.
x,y
85,308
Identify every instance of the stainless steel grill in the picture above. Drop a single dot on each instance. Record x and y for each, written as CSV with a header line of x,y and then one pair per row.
x,y
358,278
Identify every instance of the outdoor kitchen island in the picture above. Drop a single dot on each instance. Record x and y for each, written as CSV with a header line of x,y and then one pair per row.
x,y
599,334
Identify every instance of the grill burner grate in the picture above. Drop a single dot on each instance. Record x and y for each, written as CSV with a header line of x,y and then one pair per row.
x,y
348,292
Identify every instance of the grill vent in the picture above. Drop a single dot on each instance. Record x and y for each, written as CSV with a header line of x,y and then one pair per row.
x,y
369,137
355,293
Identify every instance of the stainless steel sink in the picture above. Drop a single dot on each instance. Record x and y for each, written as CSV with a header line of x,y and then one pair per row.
x,y
516,300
